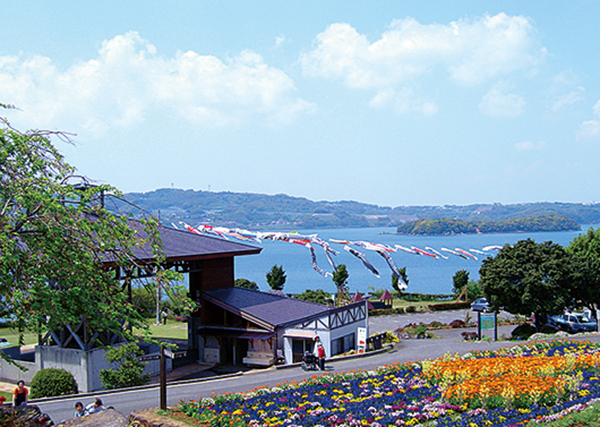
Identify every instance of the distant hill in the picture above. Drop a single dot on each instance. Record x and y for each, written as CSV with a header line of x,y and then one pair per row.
x,y
449,226
260,211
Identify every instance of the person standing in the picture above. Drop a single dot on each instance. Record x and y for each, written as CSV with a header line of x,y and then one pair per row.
x,y
20,394
320,353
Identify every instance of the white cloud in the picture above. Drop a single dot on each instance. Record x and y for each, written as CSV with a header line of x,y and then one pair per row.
x,y
403,101
470,51
129,78
280,40
499,103
530,146
565,91
590,129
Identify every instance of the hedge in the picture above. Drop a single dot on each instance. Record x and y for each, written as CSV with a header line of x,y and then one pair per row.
x,y
449,306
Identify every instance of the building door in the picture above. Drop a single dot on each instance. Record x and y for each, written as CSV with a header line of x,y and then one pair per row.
x,y
299,346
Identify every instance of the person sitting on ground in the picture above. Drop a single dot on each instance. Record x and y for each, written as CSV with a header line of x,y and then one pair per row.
x,y
79,410
95,407
20,394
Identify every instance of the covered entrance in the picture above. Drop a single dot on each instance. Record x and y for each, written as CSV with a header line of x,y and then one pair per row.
x,y
301,342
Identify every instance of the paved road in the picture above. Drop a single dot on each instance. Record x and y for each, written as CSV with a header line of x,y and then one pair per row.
x,y
405,351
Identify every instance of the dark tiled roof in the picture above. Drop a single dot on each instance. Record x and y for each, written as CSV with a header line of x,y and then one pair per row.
x,y
179,245
270,308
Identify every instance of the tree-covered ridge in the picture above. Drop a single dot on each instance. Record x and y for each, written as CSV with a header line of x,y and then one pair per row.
x,y
445,226
280,211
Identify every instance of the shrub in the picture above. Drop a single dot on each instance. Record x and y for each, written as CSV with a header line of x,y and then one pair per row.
x,y
522,332
130,370
52,382
411,309
449,306
457,324
385,311
390,338
469,336
435,324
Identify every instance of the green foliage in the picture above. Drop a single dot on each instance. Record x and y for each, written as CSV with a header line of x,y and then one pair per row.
x,y
528,278
386,311
51,382
129,370
474,290
262,211
276,278
417,296
179,303
449,306
245,283
449,226
585,256
144,300
459,281
340,276
54,234
319,296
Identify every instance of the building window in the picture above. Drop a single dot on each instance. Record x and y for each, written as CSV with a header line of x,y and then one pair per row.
x,y
343,344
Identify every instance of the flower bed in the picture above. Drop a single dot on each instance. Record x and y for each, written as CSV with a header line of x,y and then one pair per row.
x,y
522,384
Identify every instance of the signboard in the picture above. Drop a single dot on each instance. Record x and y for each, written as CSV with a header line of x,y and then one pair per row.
x,y
488,321
149,357
362,339
174,354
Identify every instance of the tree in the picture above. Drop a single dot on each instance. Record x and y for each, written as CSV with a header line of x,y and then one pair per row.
x,y
144,300
245,283
585,253
55,233
129,370
179,302
319,296
340,278
276,278
395,280
528,278
460,280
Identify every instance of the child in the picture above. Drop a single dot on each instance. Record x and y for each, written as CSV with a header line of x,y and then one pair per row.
x,y
20,394
79,411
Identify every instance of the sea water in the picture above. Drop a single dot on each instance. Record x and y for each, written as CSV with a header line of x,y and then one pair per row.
x,y
425,274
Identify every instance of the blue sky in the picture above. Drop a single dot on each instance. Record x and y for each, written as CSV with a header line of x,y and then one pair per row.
x,y
385,102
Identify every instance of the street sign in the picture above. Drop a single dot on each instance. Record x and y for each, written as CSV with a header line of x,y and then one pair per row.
x,y
175,354
149,357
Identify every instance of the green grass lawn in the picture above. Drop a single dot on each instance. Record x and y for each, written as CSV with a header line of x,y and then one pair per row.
x,y
12,335
172,330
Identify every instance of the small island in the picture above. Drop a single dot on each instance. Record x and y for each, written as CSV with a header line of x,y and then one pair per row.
x,y
449,226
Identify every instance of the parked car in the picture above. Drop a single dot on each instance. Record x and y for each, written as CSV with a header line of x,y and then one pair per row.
x,y
480,304
573,323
